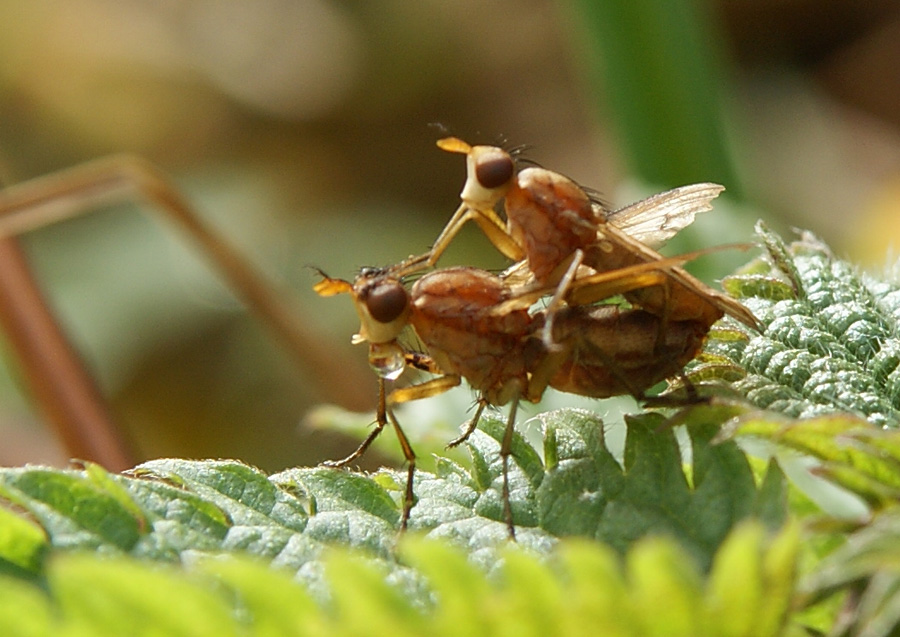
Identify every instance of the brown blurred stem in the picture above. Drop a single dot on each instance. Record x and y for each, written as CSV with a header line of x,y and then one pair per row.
x,y
62,388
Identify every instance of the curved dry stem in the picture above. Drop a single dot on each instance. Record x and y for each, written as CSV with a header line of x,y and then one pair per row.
x,y
72,192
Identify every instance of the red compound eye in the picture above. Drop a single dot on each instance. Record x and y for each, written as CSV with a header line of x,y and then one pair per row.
x,y
387,301
494,169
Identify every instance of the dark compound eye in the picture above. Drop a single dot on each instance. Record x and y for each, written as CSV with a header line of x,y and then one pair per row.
x,y
494,169
387,301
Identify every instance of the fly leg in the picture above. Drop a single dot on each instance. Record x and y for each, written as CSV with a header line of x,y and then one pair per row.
x,y
471,426
429,388
639,395
409,496
384,415
561,290
380,423
691,397
477,205
505,453
489,223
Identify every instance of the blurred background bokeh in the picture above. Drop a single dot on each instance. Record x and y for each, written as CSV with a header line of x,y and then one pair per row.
x,y
304,130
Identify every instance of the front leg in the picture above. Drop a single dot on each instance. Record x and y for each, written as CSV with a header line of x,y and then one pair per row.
x,y
380,423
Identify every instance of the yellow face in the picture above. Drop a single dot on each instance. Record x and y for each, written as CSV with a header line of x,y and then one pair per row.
x,y
381,302
383,307
490,171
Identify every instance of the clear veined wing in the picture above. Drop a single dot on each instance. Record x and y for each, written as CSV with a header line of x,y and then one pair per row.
x,y
656,219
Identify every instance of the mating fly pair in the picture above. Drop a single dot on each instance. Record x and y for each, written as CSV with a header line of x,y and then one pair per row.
x,y
569,252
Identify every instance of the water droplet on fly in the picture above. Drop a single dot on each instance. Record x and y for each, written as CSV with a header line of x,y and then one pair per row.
x,y
387,360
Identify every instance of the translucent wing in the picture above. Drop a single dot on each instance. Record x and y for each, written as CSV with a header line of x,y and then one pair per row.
x,y
656,219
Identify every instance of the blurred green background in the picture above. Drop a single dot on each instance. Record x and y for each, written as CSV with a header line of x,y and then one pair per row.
x,y
301,129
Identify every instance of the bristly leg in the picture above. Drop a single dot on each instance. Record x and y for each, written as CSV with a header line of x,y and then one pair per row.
x,y
380,423
505,453
409,498
471,426
691,396
382,417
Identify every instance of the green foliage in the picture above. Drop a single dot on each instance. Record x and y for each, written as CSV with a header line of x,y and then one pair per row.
x,y
830,343
191,512
169,509
852,453
680,532
868,565
585,589
660,75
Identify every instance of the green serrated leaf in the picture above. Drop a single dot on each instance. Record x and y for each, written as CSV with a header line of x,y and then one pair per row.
x,y
526,457
245,492
194,508
575,492
532,599
656,493
22,544
724,488
481,462
485,444
261,518
658,571
460,588
105,481
350,508
770,506
25,609
363,601
121,597
830,339
598,597
268,600
736,586
72,510
855,454
179,519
